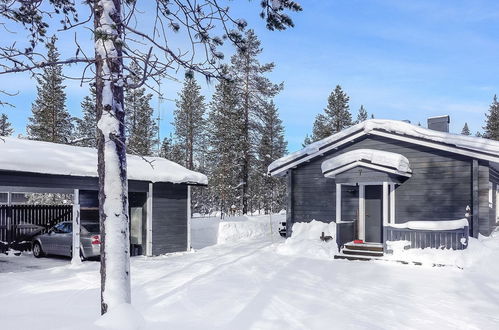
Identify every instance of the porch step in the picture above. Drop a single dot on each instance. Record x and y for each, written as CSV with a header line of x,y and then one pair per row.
x,y
364,246
362,252
356,257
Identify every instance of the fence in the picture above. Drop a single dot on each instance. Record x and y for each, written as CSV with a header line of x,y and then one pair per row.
x,y
20,222
456,239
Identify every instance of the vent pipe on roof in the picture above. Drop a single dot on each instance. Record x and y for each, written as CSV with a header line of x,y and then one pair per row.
x,y
439,123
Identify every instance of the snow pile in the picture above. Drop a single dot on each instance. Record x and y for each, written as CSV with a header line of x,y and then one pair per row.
x,y
60,159
433,225
211,230
378,157
305,240
397,127
122,317
204,232
248,227
480,255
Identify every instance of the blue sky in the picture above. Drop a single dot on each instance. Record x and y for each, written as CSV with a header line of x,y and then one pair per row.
x,y
400,59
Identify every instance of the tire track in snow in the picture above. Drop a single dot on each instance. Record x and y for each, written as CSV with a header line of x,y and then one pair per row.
x,y
214,268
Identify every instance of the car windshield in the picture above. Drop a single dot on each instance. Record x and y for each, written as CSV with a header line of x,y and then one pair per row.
x,y
91,227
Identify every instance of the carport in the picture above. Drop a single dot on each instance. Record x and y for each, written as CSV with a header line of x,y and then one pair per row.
x,y
158,190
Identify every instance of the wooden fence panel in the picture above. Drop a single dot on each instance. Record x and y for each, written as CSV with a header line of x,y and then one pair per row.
x,y
20,222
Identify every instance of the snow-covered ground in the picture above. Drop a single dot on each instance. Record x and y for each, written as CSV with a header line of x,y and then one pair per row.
x,y
263,283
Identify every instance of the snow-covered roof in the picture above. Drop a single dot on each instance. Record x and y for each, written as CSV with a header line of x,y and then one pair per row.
x,y
59,159
474,146
369,157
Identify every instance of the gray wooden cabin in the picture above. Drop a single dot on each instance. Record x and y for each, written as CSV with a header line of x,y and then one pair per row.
x,y
159,206
451,176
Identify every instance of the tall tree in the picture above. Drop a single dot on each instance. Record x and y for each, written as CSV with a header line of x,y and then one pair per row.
x,y
465,130
116,43
335,118
226,126
255,89
491,128
86,127
5,126
271,147
172,151
189,119
142,129
50,120
362,115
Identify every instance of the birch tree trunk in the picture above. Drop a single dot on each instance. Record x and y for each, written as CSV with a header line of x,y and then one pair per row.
x,y
113,184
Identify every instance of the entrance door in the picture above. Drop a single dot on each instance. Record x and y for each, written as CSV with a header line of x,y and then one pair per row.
x,y
374,213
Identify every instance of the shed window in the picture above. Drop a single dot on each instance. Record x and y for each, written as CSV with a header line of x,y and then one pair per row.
x,y
4,198
18,198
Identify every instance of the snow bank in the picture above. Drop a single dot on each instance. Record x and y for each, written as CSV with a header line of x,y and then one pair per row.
x,y
122,317
305,240
433,225
210,231
248,227
384,158
60,159
397,127
480,255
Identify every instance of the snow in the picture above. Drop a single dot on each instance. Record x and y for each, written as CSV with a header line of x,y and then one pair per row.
x,y
305,240
211,230
397,127
433,225
378,157
122,317
60,159
250,285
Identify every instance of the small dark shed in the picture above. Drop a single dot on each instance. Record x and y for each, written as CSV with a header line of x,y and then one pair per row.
x,y
158,189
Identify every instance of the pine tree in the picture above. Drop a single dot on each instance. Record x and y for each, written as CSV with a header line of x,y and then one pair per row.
x,y
86,127
225,137
141,127
255,89
172,151
491,129
189,120
271,147
466,130
362,115
479,134
50,120
372,115
335,118
5,126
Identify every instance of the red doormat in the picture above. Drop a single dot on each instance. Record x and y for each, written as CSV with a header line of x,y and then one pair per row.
x,y
358,241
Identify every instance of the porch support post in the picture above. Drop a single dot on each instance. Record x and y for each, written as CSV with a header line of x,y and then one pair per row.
x,y
338,202
496,220
385,203
149,221
392,203
362,212
188,218
76,227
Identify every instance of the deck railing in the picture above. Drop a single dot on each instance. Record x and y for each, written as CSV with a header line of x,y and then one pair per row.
x,y
345,232
456,239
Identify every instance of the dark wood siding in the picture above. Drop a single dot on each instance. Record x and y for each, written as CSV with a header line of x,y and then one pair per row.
x,y
169,223
439,189
63,183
